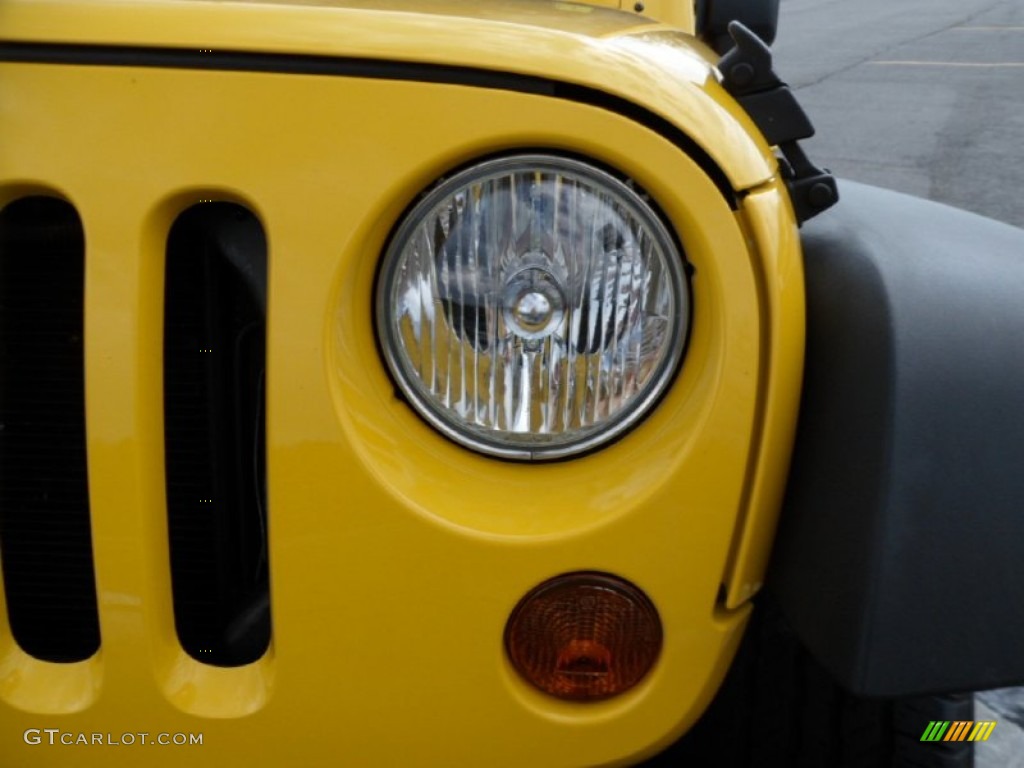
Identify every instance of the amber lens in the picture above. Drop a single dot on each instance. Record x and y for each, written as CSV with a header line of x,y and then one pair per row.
x,y
584,636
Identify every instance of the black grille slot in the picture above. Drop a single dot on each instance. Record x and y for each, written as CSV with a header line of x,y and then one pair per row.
x,y
214,380
45,539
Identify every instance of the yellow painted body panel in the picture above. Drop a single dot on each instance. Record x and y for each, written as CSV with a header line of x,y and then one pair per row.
x,y
678,13
621,54
396,556
769,220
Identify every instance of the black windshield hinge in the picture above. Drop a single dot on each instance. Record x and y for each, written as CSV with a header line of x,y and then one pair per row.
x,y
748,76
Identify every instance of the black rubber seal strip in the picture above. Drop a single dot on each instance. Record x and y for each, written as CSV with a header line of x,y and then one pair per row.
x,y
234,61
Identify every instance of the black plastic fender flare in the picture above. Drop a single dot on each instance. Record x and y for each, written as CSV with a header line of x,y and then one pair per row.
x,y
900,554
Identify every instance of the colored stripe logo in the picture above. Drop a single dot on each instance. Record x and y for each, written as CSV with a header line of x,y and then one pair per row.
x,y
958,730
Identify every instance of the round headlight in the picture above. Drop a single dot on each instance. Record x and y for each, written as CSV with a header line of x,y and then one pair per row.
x,y
532,307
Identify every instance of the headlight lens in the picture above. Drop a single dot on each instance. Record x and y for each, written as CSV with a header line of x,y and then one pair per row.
x,y
532,307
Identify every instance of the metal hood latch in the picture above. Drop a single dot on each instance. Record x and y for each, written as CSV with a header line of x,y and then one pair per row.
x,y
748,76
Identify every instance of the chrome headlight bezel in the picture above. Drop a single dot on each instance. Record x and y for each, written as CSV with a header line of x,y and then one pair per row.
x,y
543,303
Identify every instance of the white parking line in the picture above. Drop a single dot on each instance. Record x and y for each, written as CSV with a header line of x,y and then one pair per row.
x,y
974,64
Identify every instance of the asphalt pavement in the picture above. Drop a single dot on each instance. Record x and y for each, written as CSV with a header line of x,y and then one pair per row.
x,y
924,97
920,96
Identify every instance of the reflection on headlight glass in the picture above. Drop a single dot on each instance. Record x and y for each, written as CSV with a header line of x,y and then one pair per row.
x,y
533,305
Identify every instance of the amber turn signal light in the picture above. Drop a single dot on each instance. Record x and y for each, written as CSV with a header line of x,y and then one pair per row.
x,y
584,636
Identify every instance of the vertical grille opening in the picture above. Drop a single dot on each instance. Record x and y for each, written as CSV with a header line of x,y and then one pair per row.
x,y
215,301
45,539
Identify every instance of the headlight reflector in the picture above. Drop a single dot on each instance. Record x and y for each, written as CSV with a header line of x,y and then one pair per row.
x,y
532,307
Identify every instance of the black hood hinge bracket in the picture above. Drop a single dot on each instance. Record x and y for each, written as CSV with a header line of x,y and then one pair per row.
x,y
748,76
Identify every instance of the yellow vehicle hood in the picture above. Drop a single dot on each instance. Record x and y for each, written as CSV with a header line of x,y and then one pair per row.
x,y
656,68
